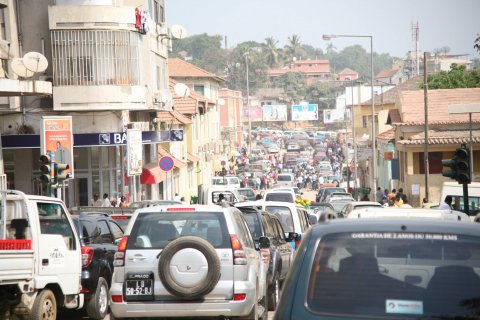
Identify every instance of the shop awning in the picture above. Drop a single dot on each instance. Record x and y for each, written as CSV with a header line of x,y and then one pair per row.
x,y
152,174
192,158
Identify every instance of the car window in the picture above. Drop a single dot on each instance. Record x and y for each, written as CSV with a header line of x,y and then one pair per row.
x,y
253,223
102,233
268,226
302,214
53,220
116,230
284,215
279,233
153,230
247,193
408,274
244,235
233,180
279,196
284,177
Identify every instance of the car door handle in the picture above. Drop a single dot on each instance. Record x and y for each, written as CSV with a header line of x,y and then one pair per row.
x,y
137,258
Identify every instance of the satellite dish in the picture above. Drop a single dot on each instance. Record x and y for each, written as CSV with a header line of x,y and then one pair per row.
x,y
5,52
19,68
35,61
178,32
181,90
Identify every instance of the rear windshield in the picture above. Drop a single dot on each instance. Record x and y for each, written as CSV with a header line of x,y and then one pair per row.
x,y
396,275
153,230
284,177
284,215
247,193
282,197
253,225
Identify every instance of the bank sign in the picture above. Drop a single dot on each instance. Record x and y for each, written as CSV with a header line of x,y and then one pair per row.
x,y
23,141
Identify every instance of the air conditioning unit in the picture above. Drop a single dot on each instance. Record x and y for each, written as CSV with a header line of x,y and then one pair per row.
x,y
163,100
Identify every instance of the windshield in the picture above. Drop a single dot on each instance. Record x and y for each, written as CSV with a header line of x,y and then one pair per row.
x,y
396,274
284,215
284,177
247,193
279,196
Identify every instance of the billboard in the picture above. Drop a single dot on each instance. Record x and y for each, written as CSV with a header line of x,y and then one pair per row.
x,y
304,111
56,139
275,112
255,114
334,115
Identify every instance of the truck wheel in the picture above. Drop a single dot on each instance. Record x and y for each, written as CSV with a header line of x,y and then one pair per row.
x,y
274,295
44,306
97,304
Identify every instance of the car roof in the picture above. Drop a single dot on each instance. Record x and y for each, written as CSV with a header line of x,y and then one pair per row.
x,y
389,224
409,213
365,203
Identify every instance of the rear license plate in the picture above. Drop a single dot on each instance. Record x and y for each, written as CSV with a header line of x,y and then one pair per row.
x,y
139,286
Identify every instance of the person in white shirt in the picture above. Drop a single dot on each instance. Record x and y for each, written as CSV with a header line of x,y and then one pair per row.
x,y
447,203
106,201
177,197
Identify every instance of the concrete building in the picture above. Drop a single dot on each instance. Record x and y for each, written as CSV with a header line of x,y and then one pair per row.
x,y
231,110
313,70
107,61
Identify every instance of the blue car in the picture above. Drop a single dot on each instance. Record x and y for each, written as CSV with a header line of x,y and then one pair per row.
x,y
385,268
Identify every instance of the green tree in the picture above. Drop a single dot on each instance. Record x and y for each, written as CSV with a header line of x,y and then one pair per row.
x,y
293,84
292,47
271,51
457,77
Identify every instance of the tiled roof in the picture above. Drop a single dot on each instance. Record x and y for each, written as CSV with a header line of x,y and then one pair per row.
x,y
176,162
347,71
178,68
394,116
387,135
443,137
390,96
412,105
187,105
386,73
174,117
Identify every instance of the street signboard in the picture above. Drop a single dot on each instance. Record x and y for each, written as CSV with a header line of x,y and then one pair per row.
x,y
134,152
166,163
363,153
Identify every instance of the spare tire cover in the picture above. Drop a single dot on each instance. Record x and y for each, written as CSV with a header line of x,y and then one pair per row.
x,y
189,267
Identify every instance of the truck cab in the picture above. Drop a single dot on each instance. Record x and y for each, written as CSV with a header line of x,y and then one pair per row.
x,y
40,255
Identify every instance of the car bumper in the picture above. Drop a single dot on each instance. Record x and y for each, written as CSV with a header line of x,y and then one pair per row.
x,y
182,308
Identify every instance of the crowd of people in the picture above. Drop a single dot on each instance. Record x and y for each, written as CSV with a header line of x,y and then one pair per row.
x,y
107,202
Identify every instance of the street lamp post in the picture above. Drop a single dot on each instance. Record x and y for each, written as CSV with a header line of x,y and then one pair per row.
x,y
248,108
374,161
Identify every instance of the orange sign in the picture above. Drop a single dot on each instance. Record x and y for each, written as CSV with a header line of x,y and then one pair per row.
x,y
57,140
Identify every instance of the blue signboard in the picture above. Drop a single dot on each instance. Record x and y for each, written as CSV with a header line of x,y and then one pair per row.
x,y
86,139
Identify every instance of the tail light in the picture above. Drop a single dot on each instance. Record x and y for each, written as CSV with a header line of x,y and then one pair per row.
x,y
239,256
87,256
265,253
119,260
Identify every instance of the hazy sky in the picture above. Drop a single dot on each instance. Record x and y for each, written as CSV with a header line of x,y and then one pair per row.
x,y
452,23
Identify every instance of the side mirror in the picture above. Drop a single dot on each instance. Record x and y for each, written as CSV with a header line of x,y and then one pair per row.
x,y
312,219
264,243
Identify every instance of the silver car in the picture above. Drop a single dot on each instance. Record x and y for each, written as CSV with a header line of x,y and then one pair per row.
x,y
189,261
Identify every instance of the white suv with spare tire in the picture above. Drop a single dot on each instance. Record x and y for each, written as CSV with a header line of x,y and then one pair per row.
x,y
189,261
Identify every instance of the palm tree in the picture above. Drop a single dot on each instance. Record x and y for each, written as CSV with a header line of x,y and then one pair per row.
x,y
271,51
292,46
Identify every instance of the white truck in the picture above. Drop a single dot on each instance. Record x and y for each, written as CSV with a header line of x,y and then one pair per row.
x,y
40,257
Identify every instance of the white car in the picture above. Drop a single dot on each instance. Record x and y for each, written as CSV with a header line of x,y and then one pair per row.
x,y
273,148
411,213
353,206
293,146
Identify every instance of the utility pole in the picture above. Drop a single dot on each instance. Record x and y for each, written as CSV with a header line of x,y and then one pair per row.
x,y
248,108
425,147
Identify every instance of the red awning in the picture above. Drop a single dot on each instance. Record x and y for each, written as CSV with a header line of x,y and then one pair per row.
x,y
152,174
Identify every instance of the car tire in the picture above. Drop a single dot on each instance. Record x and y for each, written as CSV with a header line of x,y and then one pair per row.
x,y
44,306
274,295
97,304
264,304
200,289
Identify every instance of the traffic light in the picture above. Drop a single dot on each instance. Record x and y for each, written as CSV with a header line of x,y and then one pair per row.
x,y
46,169
459,166
60,174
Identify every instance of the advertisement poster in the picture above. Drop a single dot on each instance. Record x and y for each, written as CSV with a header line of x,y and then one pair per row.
x,y
56,140
255,114
304,111
275,113
134,152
